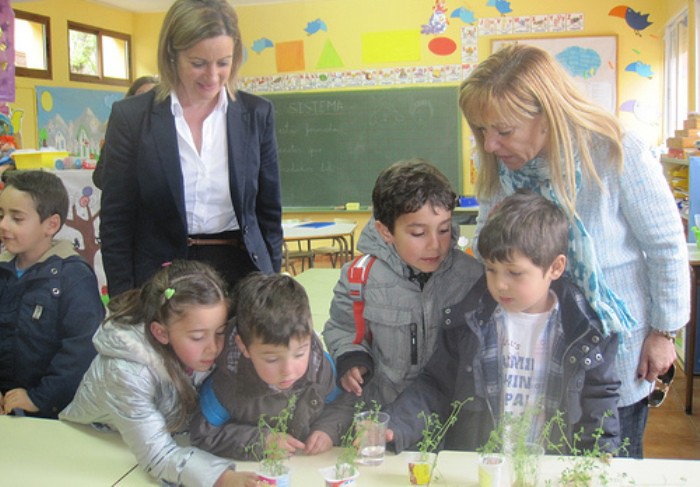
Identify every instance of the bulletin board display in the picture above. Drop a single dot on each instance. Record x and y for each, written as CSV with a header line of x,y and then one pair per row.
x,y
590,60
333,145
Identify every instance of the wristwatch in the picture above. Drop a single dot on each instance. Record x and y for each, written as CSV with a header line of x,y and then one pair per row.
x,y
669,335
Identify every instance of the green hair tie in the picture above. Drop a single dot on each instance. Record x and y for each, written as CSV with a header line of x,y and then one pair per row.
x,y
168,293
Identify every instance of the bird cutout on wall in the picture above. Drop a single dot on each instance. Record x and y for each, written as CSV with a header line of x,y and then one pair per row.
x,y
438,19
503,6
466,16
636,20
314,26
642,69
645,111
259,45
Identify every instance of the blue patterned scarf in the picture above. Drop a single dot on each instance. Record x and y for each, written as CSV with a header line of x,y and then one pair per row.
x,y
582,264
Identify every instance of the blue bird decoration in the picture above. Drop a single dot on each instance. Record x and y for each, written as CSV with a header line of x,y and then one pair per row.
x,y
642,69
503,6
259,45
636,20
314,26
466,16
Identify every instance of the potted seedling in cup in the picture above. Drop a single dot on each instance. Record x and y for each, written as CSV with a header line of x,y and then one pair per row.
x,y
586,467
509,454
422,464
344,473
273,470
370,434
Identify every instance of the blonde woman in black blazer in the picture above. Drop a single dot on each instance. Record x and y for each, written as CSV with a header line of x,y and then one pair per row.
x,y
163,167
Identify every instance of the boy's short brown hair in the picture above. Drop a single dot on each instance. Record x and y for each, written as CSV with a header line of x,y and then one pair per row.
x,y
527,223
46,189
406,186
272,308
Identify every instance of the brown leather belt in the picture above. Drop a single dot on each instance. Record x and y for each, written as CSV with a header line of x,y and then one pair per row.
x,y
212,241
229,238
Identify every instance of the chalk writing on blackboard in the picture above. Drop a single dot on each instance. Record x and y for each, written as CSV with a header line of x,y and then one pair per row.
x,y
332,145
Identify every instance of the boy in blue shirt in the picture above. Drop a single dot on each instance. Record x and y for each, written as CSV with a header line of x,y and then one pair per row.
x,y
524,340
418,271
49,300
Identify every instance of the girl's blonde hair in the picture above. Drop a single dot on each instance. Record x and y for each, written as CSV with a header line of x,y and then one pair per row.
x,y
188,22
174,290
520,82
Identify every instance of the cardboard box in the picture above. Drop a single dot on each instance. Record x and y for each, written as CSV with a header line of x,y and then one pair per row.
x,y
680,142
691,123
34,159
695,133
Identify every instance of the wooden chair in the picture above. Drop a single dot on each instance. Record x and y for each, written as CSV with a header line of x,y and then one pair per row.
x,y
340,250
294,252
290,257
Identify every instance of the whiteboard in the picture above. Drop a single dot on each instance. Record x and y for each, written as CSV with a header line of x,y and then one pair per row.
x,y
590,60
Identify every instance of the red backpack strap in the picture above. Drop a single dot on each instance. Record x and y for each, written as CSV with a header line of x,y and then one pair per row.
x,y
358,272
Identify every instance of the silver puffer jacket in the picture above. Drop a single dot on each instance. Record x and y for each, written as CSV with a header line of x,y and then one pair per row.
x,y
128,389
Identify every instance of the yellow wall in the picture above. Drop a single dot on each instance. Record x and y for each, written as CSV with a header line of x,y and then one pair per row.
x,y
347,20
60,13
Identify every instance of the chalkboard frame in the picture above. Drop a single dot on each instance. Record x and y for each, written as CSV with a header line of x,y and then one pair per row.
x,y
333,144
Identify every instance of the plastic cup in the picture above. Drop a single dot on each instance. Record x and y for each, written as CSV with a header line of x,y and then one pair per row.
x,y
370,428
420,468
491,470
345,479
524,463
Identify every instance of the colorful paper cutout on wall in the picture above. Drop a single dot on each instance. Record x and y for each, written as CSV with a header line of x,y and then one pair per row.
x,y
503,6
73,119
636,20
391,46
463,14
314,26
369,77
259,45
290,56
647,112
442,46
7,52
579,61
329,57
642,69
437,24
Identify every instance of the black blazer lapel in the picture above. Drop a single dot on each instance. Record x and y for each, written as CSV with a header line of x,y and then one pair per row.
x,y
239,136
164,136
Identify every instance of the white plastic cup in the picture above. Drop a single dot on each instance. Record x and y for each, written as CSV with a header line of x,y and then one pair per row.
x,y
491,470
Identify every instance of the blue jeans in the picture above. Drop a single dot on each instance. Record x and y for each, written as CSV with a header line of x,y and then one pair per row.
x,y
633,420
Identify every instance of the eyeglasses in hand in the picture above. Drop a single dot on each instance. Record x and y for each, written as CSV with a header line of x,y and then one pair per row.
x,y
661,387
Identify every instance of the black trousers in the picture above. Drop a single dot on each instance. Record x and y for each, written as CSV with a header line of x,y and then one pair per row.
x,y
231,261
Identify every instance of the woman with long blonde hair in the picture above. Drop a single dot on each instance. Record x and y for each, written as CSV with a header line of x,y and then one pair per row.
x,y
627,252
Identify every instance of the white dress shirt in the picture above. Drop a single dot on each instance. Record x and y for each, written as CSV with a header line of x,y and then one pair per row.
x,y
205,176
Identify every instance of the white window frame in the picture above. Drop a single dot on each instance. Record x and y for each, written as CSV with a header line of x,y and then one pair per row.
x,y
676,59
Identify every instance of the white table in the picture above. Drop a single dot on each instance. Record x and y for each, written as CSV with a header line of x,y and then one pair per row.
x,y
37,452
305,232
459,469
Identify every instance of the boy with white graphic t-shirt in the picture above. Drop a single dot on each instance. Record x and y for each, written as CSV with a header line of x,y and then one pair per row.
x,y
524,342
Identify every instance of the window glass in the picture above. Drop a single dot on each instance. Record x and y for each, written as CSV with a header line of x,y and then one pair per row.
x,y
99,56
32,48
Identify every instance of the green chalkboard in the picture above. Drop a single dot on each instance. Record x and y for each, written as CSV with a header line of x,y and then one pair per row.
x,y
332,145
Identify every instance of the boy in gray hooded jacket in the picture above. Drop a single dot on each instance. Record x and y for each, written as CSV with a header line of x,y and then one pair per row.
x,y
418,271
